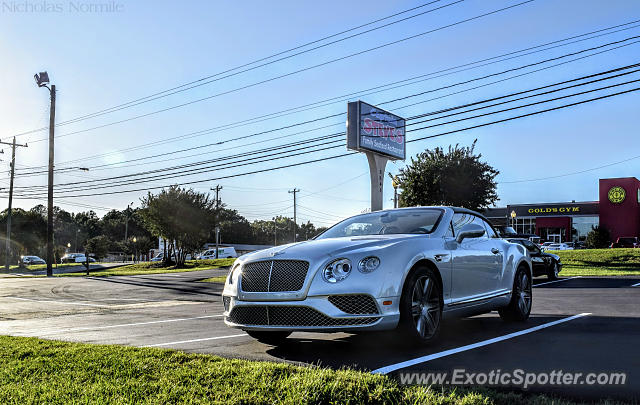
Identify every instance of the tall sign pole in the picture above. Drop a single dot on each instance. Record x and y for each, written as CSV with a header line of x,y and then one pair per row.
x,y
380,135
13,168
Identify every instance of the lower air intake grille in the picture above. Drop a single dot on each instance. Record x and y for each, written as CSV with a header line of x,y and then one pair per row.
x,y
355,304
290,316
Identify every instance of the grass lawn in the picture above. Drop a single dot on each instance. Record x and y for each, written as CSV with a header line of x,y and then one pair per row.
x,y
600,262
218,279
154,268
53,372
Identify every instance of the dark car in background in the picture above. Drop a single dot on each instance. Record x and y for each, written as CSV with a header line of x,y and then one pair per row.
x,y
30,260
626,242
544,264
509,232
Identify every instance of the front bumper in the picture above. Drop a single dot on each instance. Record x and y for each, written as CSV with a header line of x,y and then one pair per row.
x,y
315,313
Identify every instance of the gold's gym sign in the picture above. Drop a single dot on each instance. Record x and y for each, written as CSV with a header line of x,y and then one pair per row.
x,y
617,194
550,210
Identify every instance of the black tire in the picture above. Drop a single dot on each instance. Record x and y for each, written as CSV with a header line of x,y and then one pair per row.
x,y
519,307
274,338
421,306
552,273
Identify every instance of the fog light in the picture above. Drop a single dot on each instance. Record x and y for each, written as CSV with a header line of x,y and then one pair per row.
x,y
337,271
368,264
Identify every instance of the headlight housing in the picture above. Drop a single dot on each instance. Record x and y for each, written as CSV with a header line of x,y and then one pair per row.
x,y
368,264
233,269
337,271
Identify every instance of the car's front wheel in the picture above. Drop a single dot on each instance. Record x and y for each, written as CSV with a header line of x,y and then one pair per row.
x,y
519,307
273,338
421,306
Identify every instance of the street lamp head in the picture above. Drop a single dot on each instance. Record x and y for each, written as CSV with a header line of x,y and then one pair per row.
x,y
69,244
134,239
42,79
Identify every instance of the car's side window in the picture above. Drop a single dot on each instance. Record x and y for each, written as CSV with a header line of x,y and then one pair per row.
x,y
459,220
449,232
490,232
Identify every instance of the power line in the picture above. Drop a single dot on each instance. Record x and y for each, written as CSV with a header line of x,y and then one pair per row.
x,y
287,74
323,139
251,135
352,153
429,76
205,80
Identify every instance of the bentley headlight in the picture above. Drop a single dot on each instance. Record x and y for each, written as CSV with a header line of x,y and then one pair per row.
x,y
368,264
337,270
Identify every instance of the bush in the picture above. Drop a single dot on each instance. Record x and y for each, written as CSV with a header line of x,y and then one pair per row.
x,y
598,238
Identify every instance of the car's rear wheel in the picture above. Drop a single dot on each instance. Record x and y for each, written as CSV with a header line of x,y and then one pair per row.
x,y
553,271
421,306
273,338
519,307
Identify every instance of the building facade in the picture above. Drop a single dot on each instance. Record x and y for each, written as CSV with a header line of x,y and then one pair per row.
x,y
617,210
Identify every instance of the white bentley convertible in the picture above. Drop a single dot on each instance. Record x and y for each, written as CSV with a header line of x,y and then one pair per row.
x,y
401,269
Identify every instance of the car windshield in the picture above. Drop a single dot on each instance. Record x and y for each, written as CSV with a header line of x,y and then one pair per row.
x,y
414,221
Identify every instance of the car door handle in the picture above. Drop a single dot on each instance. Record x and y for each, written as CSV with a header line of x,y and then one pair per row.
x,y
495,251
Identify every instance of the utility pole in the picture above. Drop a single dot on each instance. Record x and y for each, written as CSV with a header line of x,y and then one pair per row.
x,y
295,222
217,228
13,168
126,222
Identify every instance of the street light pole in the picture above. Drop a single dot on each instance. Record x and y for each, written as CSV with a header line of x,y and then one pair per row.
x,y
42,79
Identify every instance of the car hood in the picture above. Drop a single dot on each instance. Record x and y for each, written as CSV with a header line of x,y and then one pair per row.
x,y
330,247
556,257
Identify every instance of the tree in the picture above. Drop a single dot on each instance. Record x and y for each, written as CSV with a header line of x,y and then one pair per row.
x,y
98,246
456,177
183,217
598,238
28,234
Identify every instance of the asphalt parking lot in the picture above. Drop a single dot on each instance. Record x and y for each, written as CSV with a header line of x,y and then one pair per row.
x,y
582,325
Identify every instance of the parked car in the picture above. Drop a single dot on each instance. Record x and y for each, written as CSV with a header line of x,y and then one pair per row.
x,y
223,253
160,256
29,260
544,264
404,269
626,242
509,232
558,246
71,257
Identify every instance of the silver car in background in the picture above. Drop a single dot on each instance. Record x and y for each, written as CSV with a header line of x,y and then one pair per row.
x,y
403,269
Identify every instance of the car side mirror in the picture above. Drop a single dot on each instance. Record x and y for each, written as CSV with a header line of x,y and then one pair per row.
x,y
470,231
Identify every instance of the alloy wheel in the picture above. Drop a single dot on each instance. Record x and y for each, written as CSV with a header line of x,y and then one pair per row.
x,y
523,292
425,307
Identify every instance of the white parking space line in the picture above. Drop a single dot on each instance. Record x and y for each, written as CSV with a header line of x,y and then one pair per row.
x,y
424,359
196,340
90,328
57,302
636,285
557,281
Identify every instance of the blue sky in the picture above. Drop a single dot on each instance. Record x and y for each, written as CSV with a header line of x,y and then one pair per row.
x,y
101,59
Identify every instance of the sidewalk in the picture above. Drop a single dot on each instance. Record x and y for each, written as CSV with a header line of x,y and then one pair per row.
x,y
61,269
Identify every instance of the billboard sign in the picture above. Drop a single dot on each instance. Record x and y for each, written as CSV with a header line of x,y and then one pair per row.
x,y
372,129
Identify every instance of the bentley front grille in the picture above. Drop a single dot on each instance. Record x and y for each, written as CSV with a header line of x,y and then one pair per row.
x,y
264,315
359,304
274,275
